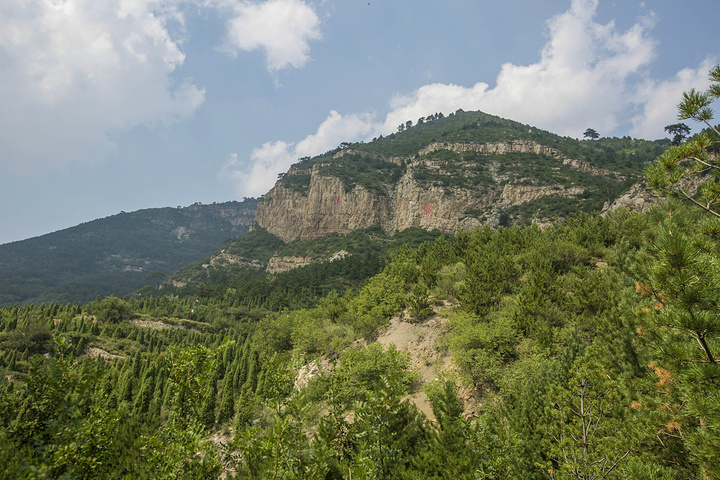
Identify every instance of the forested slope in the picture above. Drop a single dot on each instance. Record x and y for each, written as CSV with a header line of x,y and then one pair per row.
x,y
542,320
589,348
117,254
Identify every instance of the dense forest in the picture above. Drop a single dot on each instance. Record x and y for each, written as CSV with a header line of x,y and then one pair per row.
x,y
584,350
569,336
117,254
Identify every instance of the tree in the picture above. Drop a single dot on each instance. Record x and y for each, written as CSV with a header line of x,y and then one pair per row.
x,y
60,425
676,169
160,276
683,275
112,309
586,441
680,131
683,278
33,338
591,133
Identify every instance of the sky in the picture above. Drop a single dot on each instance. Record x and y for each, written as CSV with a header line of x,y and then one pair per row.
x,y
121,105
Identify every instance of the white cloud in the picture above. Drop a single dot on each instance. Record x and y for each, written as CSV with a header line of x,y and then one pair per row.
x,y
588,75
283,28
659,100
580,80
273,158
73,72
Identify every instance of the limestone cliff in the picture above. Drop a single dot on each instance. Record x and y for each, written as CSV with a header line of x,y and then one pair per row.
x,y
436,191
638,198
326,208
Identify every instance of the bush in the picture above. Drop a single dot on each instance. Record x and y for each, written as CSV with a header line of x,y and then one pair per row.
x,y
112,309
34,337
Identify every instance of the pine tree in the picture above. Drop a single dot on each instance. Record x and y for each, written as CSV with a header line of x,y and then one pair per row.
x,y
227,402
207,408
683,275
11,363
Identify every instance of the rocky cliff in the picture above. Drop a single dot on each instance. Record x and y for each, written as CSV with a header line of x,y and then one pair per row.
x,y
444,187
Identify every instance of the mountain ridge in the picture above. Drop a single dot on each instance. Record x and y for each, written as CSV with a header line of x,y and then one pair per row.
x,y
458,174
116,254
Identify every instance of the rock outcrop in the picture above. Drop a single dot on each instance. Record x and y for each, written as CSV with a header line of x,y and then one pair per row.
x,y
638,198
518,194
284,263
499,148
328,206
279,264
223,258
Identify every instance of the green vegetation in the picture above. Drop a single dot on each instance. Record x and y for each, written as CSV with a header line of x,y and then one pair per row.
x,y
584,350
379,164
551,328
300,183
117,254
249,286
469,170
372,173
623,155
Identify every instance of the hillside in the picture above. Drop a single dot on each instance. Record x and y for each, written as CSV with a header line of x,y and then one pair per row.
x,y
480,348
348,206
447,173
117,254
586,348
260,270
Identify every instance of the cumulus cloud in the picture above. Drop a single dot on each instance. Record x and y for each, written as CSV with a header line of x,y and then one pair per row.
x,y
276,157
659,99
581,79
75,71
283,28
588,75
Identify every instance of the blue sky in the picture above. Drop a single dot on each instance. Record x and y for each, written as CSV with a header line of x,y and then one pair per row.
x,y
131,104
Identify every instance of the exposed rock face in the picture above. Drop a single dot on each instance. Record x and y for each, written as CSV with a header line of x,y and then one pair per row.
x,y
581,166
223,259
308,372
519,194
518,146
285,263
432,208
326,207
642,199
638,198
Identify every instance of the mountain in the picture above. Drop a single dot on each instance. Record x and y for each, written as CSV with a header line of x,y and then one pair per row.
x,y
117,254
444,174
344,207
448,173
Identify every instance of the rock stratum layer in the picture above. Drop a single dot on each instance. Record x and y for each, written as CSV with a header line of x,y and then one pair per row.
x,y
327,205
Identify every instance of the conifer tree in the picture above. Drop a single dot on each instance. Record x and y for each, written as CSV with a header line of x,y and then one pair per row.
x,y
207,409
11,363
227,402
145,394
683,276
